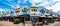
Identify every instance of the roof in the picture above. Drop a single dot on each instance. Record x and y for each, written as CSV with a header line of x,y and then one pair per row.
x,y
16,8
33,7
25,15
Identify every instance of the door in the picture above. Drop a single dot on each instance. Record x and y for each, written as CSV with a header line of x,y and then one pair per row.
x,y
28,24
34,19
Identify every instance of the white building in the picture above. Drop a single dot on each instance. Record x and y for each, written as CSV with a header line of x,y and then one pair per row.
x,y
7,12
2,11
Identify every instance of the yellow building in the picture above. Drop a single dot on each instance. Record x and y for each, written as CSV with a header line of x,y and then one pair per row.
x,y
33,10
16,11
34,17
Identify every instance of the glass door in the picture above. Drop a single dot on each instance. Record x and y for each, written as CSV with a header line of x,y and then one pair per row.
x,y
28,24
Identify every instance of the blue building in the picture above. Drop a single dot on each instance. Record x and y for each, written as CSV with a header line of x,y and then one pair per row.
x,y
42,10
11,13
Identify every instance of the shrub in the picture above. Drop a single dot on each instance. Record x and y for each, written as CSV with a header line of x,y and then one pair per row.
x,y
17,21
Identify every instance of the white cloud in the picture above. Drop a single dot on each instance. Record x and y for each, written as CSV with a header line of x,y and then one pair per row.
x,y
34,1
55,7
9,5
2,9
55,0
45,3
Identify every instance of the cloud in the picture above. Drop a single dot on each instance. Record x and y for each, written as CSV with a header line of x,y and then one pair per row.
x,y
49,4
2,9
55,8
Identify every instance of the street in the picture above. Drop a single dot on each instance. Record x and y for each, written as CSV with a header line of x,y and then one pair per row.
x,y
53,24
7,23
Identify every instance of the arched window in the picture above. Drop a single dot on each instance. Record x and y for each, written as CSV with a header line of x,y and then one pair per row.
x,y
34,10
42,9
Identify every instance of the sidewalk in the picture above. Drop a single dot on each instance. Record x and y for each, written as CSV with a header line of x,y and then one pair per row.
x,y
6,23
52,24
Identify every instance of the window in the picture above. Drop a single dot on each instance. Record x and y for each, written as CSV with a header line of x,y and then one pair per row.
x,y
42,11
34,10
17,11
47,12
24,10
3,12
7,12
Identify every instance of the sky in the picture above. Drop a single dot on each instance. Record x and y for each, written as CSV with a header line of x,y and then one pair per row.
x,y
48,4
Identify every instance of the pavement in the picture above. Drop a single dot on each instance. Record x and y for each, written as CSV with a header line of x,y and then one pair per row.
x,y
53,24
7,23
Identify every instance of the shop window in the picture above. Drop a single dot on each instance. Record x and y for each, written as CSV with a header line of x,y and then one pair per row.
x,y
34,19
27,18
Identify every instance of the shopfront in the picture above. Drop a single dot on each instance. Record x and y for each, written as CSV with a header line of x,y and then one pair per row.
x,y
34,19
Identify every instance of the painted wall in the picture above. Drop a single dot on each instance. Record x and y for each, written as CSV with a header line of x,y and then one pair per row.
x,y
25,9
34,10
42,10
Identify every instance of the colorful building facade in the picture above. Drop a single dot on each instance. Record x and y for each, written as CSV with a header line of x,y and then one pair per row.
x,y
25,9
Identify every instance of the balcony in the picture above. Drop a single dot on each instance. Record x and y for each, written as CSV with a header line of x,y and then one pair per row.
x,y
34,15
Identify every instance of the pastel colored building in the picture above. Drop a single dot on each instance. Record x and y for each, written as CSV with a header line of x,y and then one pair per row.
x,y
12,13
16,11
25,9
33,10
2,12
42,10
7,12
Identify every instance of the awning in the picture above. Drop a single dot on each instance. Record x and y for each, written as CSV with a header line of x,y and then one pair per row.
x,y
25,15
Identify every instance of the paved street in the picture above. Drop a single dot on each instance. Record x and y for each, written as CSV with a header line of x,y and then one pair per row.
x,y
54,24
6,23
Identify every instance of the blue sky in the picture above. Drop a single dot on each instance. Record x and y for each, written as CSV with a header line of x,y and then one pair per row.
x,y
48,4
